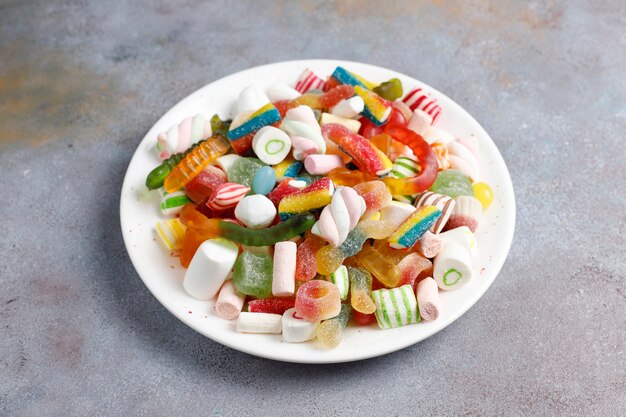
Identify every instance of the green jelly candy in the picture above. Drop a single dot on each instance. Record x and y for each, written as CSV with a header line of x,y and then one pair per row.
x,y
243,171
344,315
452,183
390,90
253,274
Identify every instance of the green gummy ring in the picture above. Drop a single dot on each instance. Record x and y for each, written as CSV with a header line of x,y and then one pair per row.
x,y
452,270
268,145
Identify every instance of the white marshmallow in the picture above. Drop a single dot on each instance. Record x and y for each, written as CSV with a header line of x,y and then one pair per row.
x,y
284,272
452,267
255,211
226,161
463,236
251,98
322,164
434,134
429,244
349,108
271,145
350,124
281,91
395,213
296,329
301,121
428,299
229,301
420,122
209,268
259,323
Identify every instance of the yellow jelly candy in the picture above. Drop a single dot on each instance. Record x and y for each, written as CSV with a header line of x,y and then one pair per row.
x,y
484,193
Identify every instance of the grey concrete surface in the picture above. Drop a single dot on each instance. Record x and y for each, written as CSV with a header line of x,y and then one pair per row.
x,y
82,81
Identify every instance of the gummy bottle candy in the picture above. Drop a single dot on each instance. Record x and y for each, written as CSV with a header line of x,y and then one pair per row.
x,y
361,291
385,271
330,332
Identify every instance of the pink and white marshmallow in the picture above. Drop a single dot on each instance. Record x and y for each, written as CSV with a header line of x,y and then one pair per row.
x,y
419,122
284,272
180,137
322,164
428,299
464,156
340,216
429,244
281,91
229,301
300,121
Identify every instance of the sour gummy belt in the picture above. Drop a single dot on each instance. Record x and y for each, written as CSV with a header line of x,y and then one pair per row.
x,y
329,203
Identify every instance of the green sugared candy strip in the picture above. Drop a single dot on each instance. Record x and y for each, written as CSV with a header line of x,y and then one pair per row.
x,y
269,236
452,183
360,279
390,90
253,274
344,315
353,243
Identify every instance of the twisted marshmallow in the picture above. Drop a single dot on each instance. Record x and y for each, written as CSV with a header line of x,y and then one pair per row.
x,y
464,156
180,137
300,123
340,216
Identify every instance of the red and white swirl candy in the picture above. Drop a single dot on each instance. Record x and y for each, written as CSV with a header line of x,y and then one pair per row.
x,y
180,137
419,99
463,154
227,195
309,81
340,216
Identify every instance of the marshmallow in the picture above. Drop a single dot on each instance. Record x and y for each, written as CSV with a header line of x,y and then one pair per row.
x,y
429,244
301,121
350,124
226,161
240,119
271,145
259,323
281,91
420,122
229,301
255,211
428,299
463,236
251,98
349,108
296,329
209,268
340,216
434,134
395,213
452,267
322,164
284,269
302,147
180,137
463,156
442,202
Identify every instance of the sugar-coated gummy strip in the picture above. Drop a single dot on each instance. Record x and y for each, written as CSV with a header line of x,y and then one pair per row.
x,y
414,227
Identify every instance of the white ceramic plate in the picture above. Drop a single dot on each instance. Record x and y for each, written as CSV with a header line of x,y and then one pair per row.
x,y
163,275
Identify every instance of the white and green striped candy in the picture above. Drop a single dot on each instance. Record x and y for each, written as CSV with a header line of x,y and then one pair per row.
x,y
395,307
340,279
404,167
172,203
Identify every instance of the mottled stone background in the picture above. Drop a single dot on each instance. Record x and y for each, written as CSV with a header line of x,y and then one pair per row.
x,y
82,81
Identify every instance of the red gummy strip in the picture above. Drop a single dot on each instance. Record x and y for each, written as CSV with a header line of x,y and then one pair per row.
x,y
272,305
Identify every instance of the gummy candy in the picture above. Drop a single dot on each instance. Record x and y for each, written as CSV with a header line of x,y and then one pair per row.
x,y
410,267
318,300
390,90
375,195
369,130
361,290
315,196
272,305
484,193
253,274
452,183
376,263
330,332
284,188
203,185
243,171
343,76
289,168
241,136
305,257
363,319
264,180
347,177
414,227
425,156
365,155
194,162
326,100
377,109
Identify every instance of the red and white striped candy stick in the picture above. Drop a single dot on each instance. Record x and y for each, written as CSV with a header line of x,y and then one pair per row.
x,y
227,195
419,99
309,81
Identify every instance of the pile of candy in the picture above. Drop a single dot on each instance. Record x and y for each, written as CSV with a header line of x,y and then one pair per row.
x,y
334,200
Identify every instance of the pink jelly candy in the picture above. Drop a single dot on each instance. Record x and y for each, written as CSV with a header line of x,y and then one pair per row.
x,y
375,194
318,300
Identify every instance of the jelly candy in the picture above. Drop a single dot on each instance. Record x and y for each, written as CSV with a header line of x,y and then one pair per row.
x,y
264,180
369,129
253,274
441,152
390,90
366,156
396,307
452,183
203,185
374,194
315,196
194,162
361,290
305,257
347,177
414,227
344,76
363,319
330,332
326,100
484,193
410,268
241,136
425,156
318,300
218,126
377,109
243,171
379,266
272,305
